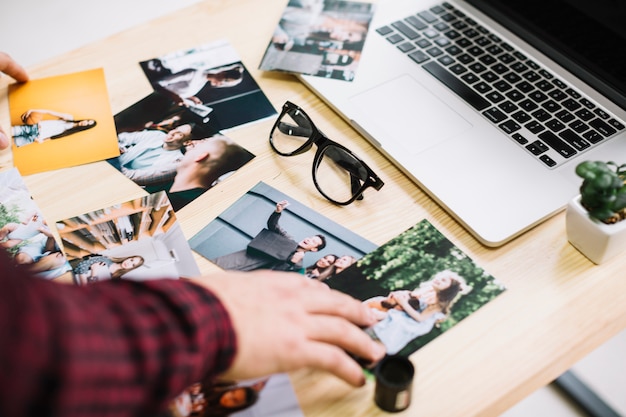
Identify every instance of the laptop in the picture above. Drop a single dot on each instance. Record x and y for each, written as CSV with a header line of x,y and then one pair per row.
x,y
489,105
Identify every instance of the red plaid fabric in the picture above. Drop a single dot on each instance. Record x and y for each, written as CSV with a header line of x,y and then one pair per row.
x,y
116,348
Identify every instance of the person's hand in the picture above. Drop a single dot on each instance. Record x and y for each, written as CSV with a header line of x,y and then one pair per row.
x,y
14,70
284,321
280,206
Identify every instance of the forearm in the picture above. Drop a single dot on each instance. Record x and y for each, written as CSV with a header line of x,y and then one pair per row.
x,y
115,348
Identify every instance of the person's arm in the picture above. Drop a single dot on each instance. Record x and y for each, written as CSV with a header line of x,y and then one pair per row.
x,y
11,68
125,348
402,298
119,349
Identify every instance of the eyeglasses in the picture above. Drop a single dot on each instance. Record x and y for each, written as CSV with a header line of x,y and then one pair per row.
x,y
338,174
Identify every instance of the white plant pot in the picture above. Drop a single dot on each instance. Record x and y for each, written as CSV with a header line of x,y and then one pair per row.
x,y
596,240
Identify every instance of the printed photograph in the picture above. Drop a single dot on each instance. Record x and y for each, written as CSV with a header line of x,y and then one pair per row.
x,y
265,397
212,82
266,229
137,240
163,148
420,285
323,38
24,233
61,121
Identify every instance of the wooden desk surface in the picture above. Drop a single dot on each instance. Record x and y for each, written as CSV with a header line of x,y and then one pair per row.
x,y
558,306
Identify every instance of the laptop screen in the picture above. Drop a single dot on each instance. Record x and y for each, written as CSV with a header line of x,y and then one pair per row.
x,y
586,37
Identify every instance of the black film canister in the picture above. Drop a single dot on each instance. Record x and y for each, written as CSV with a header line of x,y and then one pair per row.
x,y
394,381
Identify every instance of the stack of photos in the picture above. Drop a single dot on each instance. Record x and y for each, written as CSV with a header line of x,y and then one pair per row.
x,y
266,229
24,233
266,397
61,121
419,284
165,147
212,82
137,240
323,38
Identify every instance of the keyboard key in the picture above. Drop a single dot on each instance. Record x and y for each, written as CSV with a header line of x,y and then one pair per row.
x,y
579,126
559,145
502,86
487,59
489,76
495,97
519,139
443,42
483,87
537,96
453,50
519,67
477,67
464,42
434,51
458,69
406,46
521,116
531,76
525,87
528,105
541,115
617,125
509,126
602,127
470,78
494,115
514,95
564,116
416,23
507,106
465,58
547,160
404,29
475,50
555,125
499,68
385,30
584,114
557,95
512,77
551,106
534,126
465,92
544,85
537,147
571,105
395,38
419,56
427,16
573,139
445,60
593,136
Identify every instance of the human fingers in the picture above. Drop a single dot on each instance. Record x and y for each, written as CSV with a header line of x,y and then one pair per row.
x,y
329,358
12,68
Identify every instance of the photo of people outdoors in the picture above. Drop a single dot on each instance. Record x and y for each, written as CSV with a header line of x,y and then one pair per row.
x,y
212,82
265,229
419,285
61,121
24,233
136,240
323,38
163,147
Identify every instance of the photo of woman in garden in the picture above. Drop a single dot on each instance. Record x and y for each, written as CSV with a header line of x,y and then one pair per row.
x,y
419,285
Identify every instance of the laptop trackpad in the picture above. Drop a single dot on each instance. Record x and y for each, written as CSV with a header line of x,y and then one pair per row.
x,y
404,111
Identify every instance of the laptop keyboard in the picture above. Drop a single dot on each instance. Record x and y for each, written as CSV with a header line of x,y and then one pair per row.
x,y
543,114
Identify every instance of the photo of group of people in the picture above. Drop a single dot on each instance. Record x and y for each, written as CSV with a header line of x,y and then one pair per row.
x,y
419,285
164,147
264,397
136,240
61,121
212,82
24,233
266,229
323,38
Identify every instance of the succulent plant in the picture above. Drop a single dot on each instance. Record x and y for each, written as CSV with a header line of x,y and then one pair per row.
x,y
603,192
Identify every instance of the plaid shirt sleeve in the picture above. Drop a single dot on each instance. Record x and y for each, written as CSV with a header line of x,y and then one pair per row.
x,y
116,348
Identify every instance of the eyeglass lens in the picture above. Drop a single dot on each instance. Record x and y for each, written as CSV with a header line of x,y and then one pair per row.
x,y
337,174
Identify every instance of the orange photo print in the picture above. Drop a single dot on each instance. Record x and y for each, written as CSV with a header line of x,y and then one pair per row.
x,y
61,121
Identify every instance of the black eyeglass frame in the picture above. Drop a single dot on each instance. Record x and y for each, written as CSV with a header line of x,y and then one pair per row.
x,y
322,141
